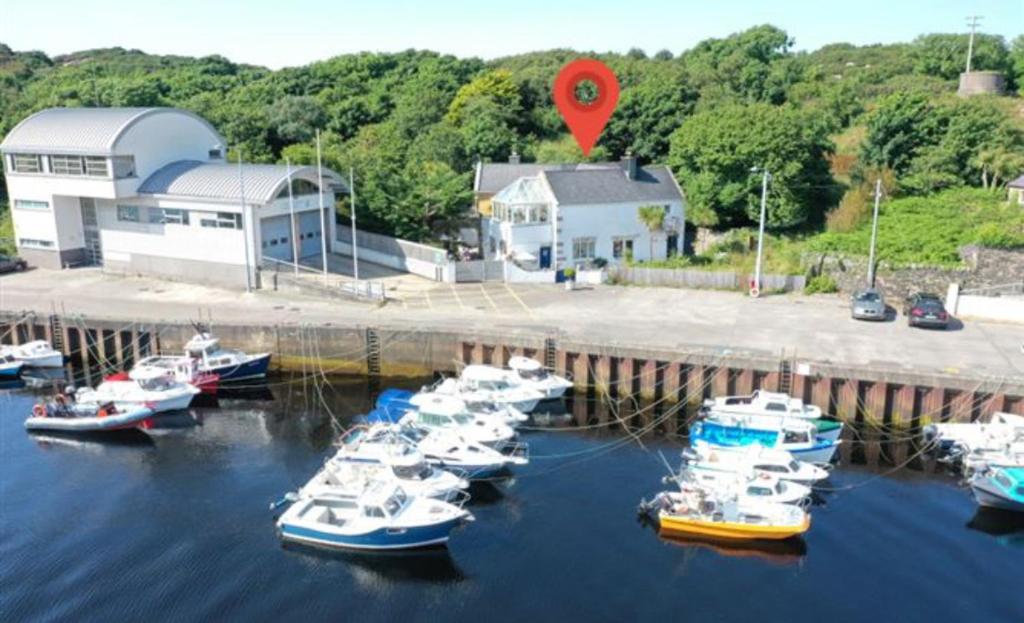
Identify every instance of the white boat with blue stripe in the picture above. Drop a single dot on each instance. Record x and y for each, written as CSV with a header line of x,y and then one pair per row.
x,y
383,517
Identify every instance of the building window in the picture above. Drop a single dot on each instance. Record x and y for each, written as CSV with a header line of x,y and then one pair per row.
x,y
584,248
31,243
27,163
95,166
168,216
67,165
222,220
128,214
21,204
124,166
215,153
622,247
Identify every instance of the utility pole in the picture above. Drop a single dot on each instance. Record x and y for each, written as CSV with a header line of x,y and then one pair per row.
x,y
245,229
291,210
972,21
756,289
355,246
324,226
874,234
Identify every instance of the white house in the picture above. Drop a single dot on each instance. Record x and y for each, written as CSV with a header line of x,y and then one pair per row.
x,y
147,191
566,216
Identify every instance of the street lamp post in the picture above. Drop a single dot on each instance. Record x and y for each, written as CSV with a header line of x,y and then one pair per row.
x,y
755,289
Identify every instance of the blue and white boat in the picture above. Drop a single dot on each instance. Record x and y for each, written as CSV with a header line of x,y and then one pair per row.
x,y
383,517
447,413
797,437
10,367
1000,487
451,451
228,365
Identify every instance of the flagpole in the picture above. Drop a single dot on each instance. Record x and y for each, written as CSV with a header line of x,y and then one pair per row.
x,y
245,232
291,208
323,219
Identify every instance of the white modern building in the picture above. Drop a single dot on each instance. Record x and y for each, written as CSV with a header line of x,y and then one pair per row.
x,y
148,191
564,216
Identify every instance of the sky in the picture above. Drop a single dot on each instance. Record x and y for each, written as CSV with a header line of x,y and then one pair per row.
x,y
282,33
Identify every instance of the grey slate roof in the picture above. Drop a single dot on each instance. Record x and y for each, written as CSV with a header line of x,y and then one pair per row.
x,y
493,176
219,180
1017,183
610,185
79,130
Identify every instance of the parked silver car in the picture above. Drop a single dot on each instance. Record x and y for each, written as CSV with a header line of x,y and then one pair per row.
x,y
868,304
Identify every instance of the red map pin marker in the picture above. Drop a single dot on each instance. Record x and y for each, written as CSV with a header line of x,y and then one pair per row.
x,y
586,120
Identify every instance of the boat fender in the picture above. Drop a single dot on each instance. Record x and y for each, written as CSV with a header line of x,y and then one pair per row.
x,y
39,410
101,413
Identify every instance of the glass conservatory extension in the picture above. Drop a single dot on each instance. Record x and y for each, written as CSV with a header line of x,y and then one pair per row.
x,y
524,202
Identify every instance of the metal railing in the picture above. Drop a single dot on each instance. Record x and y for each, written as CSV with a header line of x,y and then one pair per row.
x,y
308,278
1005,289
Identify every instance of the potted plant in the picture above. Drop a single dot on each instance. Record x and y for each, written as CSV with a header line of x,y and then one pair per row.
x,y
570,278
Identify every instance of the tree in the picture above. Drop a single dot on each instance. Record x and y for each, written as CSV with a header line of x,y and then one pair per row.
x,y
1016,62
485,131
436,202
712,153
646,116
897,129
945,55
653,218
496,86
741,65
294,119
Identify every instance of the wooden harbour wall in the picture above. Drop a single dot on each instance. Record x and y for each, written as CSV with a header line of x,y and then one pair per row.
x,y
887,398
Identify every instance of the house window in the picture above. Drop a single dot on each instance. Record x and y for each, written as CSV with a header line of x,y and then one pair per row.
x,y
622,247
67,165
168,216
222,220
584,248
21,204
27,163
128,214
124,166
32,243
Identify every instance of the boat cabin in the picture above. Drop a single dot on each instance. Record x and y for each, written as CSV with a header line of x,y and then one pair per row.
x,y
153,379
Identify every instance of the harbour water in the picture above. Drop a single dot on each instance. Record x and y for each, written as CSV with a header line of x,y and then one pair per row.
x,y
175,527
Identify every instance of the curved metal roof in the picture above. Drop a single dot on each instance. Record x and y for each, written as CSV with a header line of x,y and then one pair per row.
x,y
220,180
81,130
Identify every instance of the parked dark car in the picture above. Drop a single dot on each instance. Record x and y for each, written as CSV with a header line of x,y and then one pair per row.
x,y
11,263
925,310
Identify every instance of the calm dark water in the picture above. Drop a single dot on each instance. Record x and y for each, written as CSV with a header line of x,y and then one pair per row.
x,y
177,529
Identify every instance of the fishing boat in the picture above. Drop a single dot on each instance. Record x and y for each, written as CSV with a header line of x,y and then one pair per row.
x,y
744,484
695,511
755,457
797,437
10,367
400,401
1000,487
56,417
481,382
449,450
227,364
154,388
773,405
183,369
448,413
531,373
36,354
383,517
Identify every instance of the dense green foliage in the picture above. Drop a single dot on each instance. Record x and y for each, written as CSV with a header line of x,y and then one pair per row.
x,y
411,124
821,284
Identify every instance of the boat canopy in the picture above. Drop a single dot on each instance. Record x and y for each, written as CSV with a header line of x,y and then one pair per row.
x,y
524,363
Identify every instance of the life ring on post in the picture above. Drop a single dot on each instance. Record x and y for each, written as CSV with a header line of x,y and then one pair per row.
x,y
754,290
39,410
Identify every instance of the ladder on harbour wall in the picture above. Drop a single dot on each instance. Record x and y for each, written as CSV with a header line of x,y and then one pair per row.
x,y
549,353
785,374
57,333
372,352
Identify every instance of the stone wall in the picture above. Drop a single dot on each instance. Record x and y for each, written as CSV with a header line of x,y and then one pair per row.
x,y
981,268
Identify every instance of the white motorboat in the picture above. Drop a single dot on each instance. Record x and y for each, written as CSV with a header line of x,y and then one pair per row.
x,y
377,453
36,354
532,374
479,404
450,450
799,437
762,403
183,369
1000,487
154,388
383,517
10,368
227,364
444,412
745,484
1002,428
758,458
490,383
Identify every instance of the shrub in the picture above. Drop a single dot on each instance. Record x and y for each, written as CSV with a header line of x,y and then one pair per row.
x,y
822,284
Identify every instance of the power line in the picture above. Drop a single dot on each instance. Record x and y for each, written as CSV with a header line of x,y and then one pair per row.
x,y
972,23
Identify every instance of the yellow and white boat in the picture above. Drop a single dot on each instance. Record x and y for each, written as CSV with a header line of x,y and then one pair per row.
x,y
694,511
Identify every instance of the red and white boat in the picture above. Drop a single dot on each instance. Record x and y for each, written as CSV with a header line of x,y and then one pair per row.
x,y
152,387
183,369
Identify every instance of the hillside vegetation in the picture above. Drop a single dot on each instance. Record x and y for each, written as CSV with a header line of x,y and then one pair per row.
x,y
411,124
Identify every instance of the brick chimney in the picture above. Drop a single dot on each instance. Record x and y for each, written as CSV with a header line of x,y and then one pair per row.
x,y
513,158
628,164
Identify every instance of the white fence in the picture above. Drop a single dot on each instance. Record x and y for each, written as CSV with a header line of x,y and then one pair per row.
x,y
702,279
1006,308
411,257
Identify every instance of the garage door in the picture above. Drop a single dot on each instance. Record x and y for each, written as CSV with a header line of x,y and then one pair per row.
x,y
276,238
309,234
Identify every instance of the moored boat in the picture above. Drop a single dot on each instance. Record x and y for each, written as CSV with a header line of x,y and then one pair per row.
x,y
383,517
489,383
154,388
694,511
531,373
773,406
758,458
227,364
10,368
797,437
999,487
36,354
59,417
183,369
